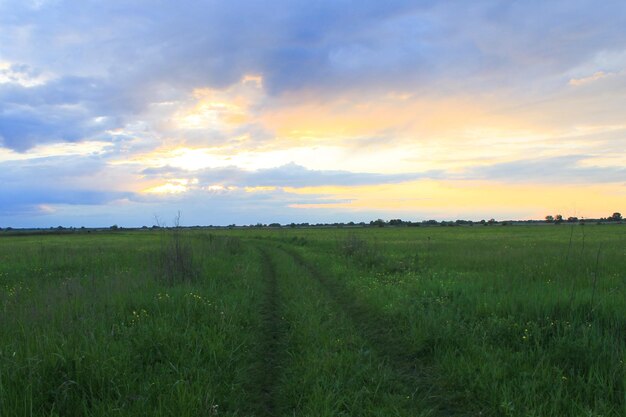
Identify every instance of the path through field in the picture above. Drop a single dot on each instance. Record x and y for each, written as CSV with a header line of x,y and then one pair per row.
x,y
271,346
306,313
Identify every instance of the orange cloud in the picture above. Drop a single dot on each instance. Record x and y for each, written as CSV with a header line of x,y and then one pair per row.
x,y
221,109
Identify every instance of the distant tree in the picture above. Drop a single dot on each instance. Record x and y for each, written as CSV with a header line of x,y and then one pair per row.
x,y
274,224
492,221
114,227
396,222
572,219
616,217
378,222
558,218
549,219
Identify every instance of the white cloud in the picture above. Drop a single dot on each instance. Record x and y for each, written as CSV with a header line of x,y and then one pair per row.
x,y
21,75
56,149
589,79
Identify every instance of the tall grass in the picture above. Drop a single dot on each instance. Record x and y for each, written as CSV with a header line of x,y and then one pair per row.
x,y
515,321
505,326
86,330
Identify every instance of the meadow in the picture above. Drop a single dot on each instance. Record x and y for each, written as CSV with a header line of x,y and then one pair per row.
x,y
395,321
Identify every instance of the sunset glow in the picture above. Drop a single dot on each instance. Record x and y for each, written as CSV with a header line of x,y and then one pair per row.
x,y
434,110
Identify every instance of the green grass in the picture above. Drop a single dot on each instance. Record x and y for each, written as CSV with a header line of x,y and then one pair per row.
x,y
429,321
87,329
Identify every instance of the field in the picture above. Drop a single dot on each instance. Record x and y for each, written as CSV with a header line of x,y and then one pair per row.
x,y
425,321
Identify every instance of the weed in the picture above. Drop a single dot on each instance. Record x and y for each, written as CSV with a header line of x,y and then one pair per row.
x,y
175,259
355,247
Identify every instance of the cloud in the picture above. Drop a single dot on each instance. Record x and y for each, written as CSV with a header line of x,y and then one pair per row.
x,y
591,78
20,74
37,190
53,186
10,200
28,185
74,72
289,175
565,169
354,93
67,109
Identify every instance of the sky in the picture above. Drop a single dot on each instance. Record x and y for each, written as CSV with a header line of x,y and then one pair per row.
x,y
129,111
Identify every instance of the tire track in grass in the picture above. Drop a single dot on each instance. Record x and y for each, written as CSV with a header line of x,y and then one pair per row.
x,y
270,344
332,369
387,340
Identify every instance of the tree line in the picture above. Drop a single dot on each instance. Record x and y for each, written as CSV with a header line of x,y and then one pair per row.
x,y
558,218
